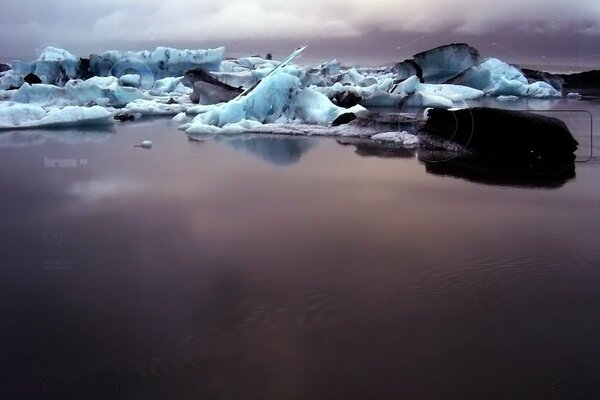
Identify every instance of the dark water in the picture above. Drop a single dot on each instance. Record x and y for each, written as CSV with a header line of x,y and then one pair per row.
x,y
287,268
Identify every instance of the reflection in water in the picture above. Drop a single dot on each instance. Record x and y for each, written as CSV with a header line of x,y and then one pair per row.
x,y
484,170
24,138
371,148
494,171
277,150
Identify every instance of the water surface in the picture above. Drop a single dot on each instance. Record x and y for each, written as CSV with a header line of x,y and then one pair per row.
x,y
287,268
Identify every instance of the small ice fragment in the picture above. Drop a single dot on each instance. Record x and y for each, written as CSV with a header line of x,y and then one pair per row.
x,y
575,96
146,144
507,98
403,137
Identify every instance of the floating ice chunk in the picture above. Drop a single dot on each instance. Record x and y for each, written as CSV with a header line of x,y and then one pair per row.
x,y
451,92
97,90
146,144
330,68
445,62
244,78
384,99
17,116
131,80
11,80
574,96
313,107
256,62
429,100
54,54
166,85
408,86
497,78
403,137
539,90
352,77
507,98
181,117
231,66
154,107
277,98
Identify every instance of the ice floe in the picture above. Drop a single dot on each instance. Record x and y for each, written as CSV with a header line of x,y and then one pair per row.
x,y
19,116
403,137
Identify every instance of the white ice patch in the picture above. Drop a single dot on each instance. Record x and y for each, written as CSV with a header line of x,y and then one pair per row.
x,y
30,116
154,107
403,138
131,80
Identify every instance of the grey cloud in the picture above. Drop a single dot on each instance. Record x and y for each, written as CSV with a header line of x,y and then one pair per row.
x,y
378,29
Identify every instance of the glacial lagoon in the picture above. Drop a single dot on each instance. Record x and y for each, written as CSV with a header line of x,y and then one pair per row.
x,y
279,267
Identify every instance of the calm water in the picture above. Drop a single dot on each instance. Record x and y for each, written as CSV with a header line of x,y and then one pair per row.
x,y
287,268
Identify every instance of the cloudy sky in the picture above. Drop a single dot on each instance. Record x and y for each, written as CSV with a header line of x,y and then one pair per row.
x,y
543,32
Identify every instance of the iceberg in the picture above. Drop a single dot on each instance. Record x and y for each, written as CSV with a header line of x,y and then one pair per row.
x,y
161,63
279,98
98,90
445,62
21,116
496,78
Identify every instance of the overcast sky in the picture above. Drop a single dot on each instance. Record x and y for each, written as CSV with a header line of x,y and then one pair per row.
x,y
370,31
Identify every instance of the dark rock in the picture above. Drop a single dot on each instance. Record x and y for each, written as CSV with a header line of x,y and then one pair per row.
x,y
553,80
344,119
269,56
124,117
4,67
406,69
32,79
582,80
443,63
171,101
208,89
524,137
85,70
347,99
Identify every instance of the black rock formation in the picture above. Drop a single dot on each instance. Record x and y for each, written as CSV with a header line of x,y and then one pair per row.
x,y
124,117
347,99
582,80
208,89
344,119
443,63
4,67
32,79
532,75
526,138
406,69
